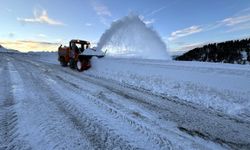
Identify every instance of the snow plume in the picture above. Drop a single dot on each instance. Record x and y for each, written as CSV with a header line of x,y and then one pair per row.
x,y
130,37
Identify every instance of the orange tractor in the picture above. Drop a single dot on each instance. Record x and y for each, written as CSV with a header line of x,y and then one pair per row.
x,y
78,55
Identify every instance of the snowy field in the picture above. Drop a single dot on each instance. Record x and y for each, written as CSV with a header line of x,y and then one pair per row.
x,y
122,104
222,87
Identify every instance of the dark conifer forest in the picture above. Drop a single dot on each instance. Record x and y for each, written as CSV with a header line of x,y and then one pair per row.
x,y
235,51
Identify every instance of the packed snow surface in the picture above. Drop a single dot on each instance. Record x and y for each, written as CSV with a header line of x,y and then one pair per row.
x,y
223,87
2,49
122,104
130,37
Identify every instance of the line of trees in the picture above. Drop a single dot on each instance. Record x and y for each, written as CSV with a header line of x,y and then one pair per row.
x,y
234,51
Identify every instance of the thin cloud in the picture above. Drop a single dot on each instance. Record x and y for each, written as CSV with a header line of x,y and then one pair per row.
x,y
245,26
29,45
236,20
157,11
88,24
147,22
185,32
41,17
160,9
191,46
151,21
243,12
37,42
42,35
183,46
103,12
240,21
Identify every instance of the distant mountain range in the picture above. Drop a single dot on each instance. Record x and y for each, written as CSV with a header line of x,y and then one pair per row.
x,y
234,51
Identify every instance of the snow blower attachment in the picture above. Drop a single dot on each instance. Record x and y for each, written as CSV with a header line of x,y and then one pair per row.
x,y
78,55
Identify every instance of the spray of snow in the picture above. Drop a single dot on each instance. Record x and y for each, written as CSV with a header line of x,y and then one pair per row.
x,y
130,37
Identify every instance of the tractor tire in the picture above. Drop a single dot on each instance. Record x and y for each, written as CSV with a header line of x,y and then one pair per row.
x,y
72,64
63,62
82,65
79,66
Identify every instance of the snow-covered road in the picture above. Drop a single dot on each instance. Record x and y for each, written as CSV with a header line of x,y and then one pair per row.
x,y
46,106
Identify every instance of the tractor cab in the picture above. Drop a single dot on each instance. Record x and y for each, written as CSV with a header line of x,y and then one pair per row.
x,y
79,45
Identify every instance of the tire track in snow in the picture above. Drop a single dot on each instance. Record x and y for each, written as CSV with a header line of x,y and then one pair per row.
x,y
9,131
220,134
52,128
119,90
91,128
218,137
158,139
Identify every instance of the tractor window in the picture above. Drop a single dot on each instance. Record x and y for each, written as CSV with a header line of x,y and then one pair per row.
x,y
88,46
85,46
79,46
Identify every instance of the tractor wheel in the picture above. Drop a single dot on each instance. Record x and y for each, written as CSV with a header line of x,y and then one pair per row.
x,y
72,64
63,62
82,65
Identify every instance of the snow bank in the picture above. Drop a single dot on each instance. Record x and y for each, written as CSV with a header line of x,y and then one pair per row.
x,y
130,37
49,57
3,50
223,87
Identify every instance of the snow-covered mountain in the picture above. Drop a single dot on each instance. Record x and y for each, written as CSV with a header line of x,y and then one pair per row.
x,y
3,49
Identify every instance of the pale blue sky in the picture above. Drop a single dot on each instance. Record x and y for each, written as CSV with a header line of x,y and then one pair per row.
x,y
182,24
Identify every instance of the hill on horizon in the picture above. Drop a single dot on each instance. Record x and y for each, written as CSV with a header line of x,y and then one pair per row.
x,y
3,49
234,51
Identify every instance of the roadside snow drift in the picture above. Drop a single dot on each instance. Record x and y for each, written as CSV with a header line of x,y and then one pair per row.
x,y
223,87
2,49
130,37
